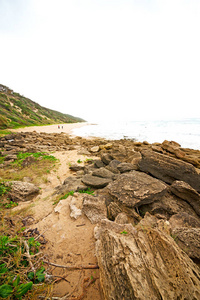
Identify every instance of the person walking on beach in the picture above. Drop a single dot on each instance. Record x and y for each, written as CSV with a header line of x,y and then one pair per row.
x,y
58,127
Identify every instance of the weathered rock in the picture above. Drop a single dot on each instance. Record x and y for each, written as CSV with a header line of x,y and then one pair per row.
x,y
10,157
94,181
98,163
170,146
95,149
143,263
22,191
94,208
135,188
183,219
114,163
76,206
106,158
186,192
75,167
188,239
169,169
103,172
126,167
121,218
166,206
70,184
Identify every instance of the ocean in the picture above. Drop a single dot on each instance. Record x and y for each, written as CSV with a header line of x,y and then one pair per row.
x,y
186,132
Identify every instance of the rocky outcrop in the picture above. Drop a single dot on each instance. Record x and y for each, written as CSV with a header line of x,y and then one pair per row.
x,y
186,192
135,189
22,191
144,263
169,169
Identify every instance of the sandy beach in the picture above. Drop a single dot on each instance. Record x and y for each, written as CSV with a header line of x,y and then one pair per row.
x,y
66,128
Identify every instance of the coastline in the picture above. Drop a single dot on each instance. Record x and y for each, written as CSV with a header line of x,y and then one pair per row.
x,y
67,128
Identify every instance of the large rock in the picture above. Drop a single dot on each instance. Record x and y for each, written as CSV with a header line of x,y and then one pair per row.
x,y
103,172
94,208
22,191
96,182
135,188
144,263
188,239
186,192
70,184
169,169
166,206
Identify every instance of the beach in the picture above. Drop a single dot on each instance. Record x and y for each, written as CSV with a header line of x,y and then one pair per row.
x,y
66,128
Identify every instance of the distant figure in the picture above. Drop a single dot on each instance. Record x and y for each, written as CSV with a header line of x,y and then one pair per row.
x,y
62,127
58,127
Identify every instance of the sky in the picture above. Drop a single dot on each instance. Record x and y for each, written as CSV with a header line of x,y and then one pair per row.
x,y
104,59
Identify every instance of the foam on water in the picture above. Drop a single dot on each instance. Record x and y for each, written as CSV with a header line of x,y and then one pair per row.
x,y
186,132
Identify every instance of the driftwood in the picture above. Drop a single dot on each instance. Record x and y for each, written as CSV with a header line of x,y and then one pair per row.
x,y
86,267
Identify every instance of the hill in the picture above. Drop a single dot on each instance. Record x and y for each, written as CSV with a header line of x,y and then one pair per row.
x,y
18,111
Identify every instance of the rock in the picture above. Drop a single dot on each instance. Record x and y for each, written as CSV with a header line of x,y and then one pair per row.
x,y
103,172
121,218
188,239
75,167
113,211
135,188
94,208
170,146
70,184
114,163
98,163
183,219
169,169
94,181
106,158
10,157
143,263
186,192
126,167
95,149
166,206
75,207
22,191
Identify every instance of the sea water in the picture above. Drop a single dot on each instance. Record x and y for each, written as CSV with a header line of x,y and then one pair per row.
x,y
186,132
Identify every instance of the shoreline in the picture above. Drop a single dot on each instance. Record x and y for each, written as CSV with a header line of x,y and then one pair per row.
x,y
67,128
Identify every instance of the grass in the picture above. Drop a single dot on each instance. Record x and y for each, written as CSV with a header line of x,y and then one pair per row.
x,y
38,170
22,273
71,193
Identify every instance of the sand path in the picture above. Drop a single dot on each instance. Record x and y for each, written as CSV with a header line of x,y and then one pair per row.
x,y
70,242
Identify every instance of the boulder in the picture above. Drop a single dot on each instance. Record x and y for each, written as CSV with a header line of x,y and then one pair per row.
x,y
70,184
166,206
169,169
103,172
126,167
187,193
188,239
22,191
106,158
94,181
143,263
94,208
135,188
183,219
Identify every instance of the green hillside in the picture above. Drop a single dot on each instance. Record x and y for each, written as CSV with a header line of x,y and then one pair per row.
x,y
18,111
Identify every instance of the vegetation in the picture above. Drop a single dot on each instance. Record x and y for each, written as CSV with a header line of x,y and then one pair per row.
x,y
35,165
22,273
19,111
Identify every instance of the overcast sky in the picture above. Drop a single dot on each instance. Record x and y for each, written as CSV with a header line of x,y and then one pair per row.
x,y
100,59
